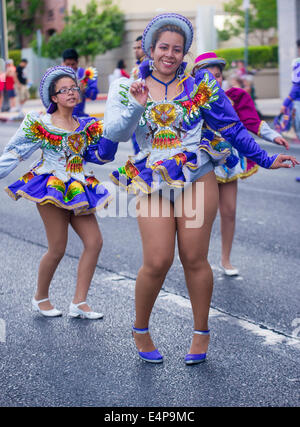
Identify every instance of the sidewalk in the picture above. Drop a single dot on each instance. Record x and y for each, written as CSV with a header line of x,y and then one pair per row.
x,y
93,108
269,108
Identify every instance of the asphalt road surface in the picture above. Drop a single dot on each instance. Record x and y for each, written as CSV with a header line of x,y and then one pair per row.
x,y
253,358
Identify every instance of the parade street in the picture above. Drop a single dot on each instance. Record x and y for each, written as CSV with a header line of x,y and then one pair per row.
x,y
253,356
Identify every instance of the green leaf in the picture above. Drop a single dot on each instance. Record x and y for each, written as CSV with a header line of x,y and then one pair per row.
x,y
91,33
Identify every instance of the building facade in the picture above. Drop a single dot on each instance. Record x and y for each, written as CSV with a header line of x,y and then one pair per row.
x,y
53,17
205,15
288,33
155,6
137,14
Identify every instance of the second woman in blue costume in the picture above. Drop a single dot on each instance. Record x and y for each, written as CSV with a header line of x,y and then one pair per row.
x,y
166,110
60,183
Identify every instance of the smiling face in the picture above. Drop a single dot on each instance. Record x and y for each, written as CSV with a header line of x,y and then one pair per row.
x,y
68,99
168,53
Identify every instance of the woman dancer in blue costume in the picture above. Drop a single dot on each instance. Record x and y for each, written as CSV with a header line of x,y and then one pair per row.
x,y
166,109
60,184
227,178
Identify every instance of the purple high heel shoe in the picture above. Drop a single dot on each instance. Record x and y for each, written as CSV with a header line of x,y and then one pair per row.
x,y
193,359
148,356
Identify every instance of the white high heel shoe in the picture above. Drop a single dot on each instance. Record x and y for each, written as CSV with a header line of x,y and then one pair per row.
x,y
230,271
47,313
74,311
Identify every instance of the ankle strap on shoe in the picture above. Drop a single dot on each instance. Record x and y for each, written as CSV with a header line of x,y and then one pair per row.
x,y
202,332
140,331
41,300
80,303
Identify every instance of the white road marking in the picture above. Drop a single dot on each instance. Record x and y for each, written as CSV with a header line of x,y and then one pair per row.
x,y
173,303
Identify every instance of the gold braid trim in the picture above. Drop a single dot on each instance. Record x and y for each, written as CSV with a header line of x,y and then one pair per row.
x,y
242,175
227,127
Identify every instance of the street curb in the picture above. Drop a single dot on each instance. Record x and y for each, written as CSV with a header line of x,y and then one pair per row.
x,y
5,119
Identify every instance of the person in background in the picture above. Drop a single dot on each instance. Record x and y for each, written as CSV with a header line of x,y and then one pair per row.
x,y
10,81
2,85
122,68
227,177
22,83
138,50
87,80
298,46
119,71
292,101
241,70
291,104
139,56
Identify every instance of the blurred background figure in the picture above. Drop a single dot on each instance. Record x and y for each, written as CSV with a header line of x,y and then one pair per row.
x,y
119,71
122,68
138,51
9,86
288,120
87,80
239,67
2,82
235,81
139,56
291,103
245,82
22,84
298,46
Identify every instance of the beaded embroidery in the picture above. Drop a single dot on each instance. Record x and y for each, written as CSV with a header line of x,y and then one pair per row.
x,y
202,96
94,131
124,94
76,142
163,121
166,119
75,165
36,132
27,177
74,189
71,144
92,181
56,183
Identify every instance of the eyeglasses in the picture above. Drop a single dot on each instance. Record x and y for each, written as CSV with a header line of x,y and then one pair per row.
x,y
65,90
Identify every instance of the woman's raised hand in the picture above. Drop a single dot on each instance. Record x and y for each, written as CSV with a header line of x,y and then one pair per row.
x,y
139,91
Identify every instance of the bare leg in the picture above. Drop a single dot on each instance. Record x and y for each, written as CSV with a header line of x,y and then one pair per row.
x,y
227,207
193,245
56,221
13,102
87,228
158,239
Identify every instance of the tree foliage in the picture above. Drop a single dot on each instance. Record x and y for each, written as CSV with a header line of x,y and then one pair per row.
x,y
21,20
262,17
91,33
